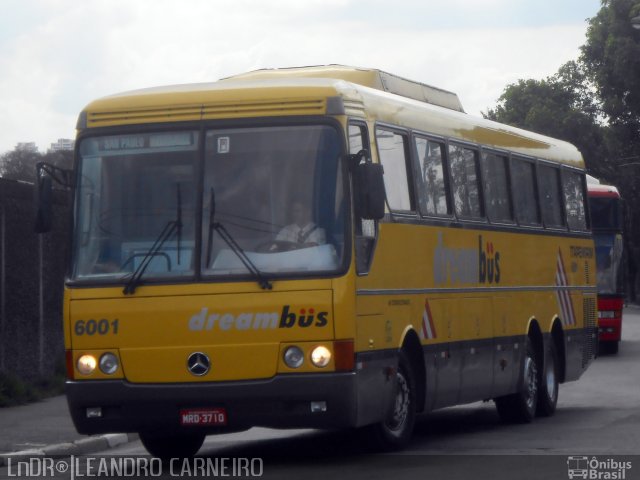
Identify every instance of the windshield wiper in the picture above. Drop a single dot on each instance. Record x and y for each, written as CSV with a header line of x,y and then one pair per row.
x,y
264,283
166,233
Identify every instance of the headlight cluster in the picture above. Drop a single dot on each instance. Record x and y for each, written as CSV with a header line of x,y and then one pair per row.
x,y
320,356
108,364
294,356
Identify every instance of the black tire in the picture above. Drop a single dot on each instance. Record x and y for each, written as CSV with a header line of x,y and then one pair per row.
x,y
608,348
520,407
178,445
613,349
395,431
548,386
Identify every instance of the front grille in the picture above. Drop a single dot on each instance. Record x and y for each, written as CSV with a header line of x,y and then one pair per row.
x,y
590,330
266,108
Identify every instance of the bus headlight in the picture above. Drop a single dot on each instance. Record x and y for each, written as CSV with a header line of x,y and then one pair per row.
x,y
321,356
108,363
293,357
86,364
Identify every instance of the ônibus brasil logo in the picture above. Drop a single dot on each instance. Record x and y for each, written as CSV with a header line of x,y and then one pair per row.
x,y
596,469
304,317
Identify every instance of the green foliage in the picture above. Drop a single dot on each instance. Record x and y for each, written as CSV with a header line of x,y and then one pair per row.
x,y
20,164
611,58
560,106
15,391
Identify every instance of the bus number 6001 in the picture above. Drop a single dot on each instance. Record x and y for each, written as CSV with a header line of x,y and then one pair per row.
x,y
100,327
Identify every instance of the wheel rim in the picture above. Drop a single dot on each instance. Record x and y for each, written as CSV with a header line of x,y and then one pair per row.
x,y
400,411
531,383
551,378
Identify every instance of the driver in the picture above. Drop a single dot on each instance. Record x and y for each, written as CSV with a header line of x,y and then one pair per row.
x,y
302,232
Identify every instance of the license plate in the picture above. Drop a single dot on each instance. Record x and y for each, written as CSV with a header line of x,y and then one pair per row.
x,y
203,417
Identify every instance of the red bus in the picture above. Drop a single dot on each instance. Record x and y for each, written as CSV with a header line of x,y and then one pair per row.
x,y
606,220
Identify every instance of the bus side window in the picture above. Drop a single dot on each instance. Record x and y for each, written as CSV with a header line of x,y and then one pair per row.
x,y
574,197
393,153
366,230
495,175
550,196
465,182
431,178
524,192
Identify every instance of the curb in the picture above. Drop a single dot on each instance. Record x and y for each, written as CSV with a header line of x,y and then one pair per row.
x,y
78,447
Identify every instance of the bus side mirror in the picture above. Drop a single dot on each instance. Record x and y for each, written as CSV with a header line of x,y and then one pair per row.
x,y
43,203
370,190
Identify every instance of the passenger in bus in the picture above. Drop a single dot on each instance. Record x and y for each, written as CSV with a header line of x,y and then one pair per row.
x,y
302,232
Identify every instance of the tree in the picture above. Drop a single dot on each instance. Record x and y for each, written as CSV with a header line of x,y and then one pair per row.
x,y
611,56
560,106
20,164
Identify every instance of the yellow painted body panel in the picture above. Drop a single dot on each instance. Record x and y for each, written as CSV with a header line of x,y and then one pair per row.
x,y
241,332
446,263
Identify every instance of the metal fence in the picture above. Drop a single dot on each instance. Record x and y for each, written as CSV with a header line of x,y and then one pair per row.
x,y
32,269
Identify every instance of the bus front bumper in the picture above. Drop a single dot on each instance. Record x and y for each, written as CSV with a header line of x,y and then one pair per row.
x,y
610,329
283,401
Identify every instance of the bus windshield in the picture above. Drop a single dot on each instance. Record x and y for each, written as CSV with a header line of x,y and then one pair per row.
x,y
606,213
609,263
274,195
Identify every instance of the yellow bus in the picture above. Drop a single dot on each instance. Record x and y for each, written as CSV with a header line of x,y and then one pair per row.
x,y
322,247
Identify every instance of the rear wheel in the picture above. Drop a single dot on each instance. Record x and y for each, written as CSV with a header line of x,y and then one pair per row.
x,y
177,445
395,431
520,407
548,391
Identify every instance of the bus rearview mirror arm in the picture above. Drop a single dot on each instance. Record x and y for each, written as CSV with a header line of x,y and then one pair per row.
x,y
46,173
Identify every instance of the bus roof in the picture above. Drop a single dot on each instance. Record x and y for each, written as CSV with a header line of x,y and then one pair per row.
x,y
331,90
369,77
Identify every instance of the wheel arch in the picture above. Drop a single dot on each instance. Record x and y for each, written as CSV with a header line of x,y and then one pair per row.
x,y
534,332
412,347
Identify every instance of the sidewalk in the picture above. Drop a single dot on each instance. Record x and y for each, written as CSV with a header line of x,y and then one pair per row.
x,y
45,428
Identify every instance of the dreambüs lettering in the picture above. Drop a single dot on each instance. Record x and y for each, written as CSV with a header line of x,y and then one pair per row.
x,y
305,317
466,265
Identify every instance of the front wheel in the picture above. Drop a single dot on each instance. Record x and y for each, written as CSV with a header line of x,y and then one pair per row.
x,y
608,348
177,445
394,432
520,407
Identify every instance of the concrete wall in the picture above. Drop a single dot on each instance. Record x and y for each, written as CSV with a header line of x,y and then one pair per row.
x,y
32,270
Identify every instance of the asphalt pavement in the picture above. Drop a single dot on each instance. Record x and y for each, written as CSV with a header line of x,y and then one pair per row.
x,y
45,428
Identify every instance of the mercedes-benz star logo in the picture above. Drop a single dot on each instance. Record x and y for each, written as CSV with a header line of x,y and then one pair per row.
x,y
198,364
